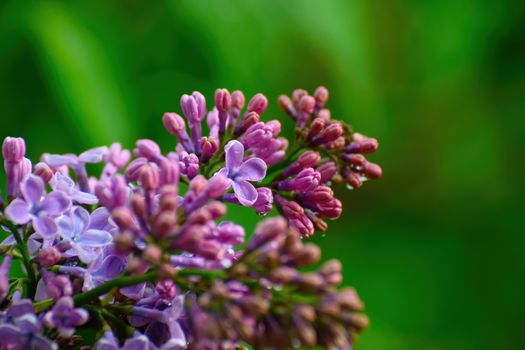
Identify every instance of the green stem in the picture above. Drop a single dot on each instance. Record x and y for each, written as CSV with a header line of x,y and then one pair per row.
x,y
119,282
125,281
26,259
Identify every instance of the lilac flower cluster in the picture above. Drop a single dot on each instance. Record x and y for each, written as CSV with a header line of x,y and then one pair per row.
x,y
141,252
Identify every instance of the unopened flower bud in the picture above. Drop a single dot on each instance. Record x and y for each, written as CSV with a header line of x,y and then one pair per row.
x,y
284,275
266,231
290,209
307,180
43,171
257,306
286,104
324,114
327,171
166,289
258,104
149,177
297,94
49,256
208,146
317,125
166,272
216,209
117,156
321,96
173,123
264,201
349,299
165,223
246,122
147,149
124,242
331,209
13,149
168,172
223,100
124,218
338,143
193,107
372,171
237,99
309,254
310,282
152,254
329,134
355,159
352,178
306,104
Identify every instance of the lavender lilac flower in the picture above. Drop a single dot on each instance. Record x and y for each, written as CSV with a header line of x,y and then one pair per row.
x,y
142,254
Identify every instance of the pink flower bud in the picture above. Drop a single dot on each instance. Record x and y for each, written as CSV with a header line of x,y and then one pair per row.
x,y
43,171
149,177
237,99
13,149
321,96
297,94
258,104
327,171
208,146
267,231
168,172
316,127
216,186
124,218
331,209
246,122
173,123
306,104
49,256
223,100
190,108
264,201
307,180
329,134
147,149
372,171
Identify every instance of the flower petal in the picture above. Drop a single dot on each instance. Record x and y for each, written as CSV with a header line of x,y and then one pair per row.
x,y
44,226
234,155
245,192
18,211
94,238
56,160
84,197
99,219
55,203
80,219
253,169
178,338
11,336
32,189
94,155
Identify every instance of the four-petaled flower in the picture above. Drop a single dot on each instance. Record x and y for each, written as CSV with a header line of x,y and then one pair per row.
x,y
240,172
38,207
64,317
85,233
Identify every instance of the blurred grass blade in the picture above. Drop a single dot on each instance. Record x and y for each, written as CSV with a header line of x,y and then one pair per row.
x,y
79,74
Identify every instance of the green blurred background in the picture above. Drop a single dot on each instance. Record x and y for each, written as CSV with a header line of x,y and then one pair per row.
x,y
435,247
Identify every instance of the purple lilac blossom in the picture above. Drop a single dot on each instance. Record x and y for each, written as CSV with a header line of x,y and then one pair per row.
x,y
80,231
65,317
38,207
240,172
